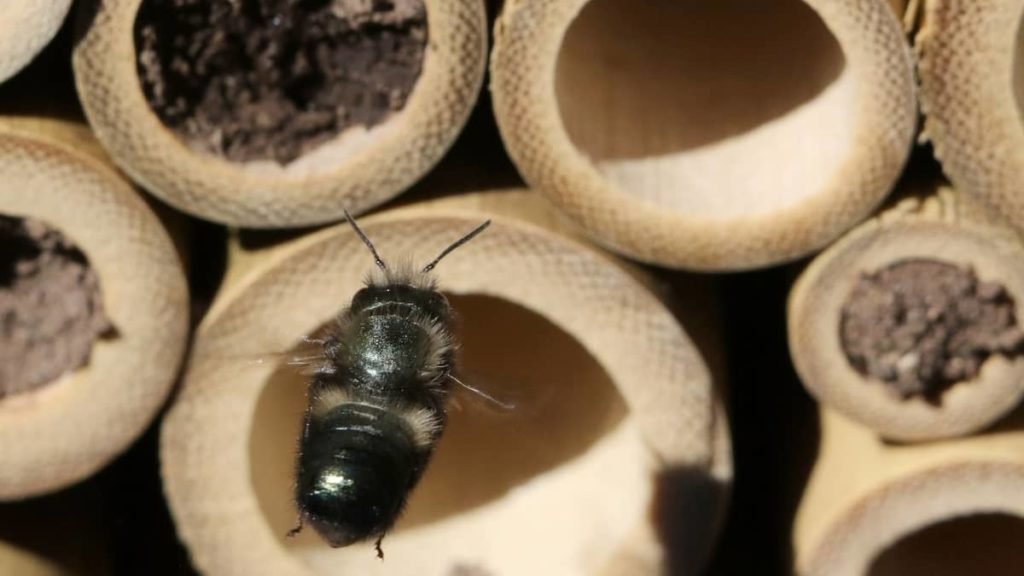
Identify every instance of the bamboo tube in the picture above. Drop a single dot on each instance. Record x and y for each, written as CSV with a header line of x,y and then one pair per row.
x,y
25,28
616,410
944,227
357,169
61,432
723,136
971,65
877,509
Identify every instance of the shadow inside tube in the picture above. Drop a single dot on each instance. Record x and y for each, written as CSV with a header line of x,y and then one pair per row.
x,y
980,545
565,402
644,78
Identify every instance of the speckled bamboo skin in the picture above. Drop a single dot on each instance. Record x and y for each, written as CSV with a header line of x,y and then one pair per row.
x,y
25,28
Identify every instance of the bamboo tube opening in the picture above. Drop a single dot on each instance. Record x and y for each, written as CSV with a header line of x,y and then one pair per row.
x,y
721,136
610,396
706,109
269,81
982,545
484,455
873,508
51,303
58,434
254,115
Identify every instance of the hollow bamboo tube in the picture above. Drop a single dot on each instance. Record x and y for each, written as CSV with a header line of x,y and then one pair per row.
x,y
867,498
356,170
971,65
720,135
64,431
25,28
616,410
944,226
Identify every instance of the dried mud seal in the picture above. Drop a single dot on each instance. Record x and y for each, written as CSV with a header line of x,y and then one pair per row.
x,y
922,325
272,79
51,310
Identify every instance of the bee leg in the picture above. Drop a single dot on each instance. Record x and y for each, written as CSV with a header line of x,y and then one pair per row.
x,y
380,551
295,531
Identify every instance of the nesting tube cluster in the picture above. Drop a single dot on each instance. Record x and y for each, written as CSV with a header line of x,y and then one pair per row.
x,y
95,307
616,421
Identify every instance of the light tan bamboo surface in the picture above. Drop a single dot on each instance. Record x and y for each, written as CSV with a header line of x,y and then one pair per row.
x,y
64,431
942,225
720,135
26,26
939,509
971,65
356,170
615,445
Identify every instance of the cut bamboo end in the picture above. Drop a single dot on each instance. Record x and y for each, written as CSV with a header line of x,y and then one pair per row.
x,y
25,29
722,137
356,169
971,66
878,509
940,229
615,409
60,433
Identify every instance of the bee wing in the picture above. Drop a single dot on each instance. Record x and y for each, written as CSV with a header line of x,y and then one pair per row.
x,y
307,358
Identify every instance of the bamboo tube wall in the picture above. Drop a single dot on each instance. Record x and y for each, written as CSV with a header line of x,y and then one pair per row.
x,y
695,144
25,28
608,414
60,433
357,170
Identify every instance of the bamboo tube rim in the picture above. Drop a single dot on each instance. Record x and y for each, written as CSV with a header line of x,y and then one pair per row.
x,y
355,170
25,29
814,317
971,69
545,154
889,492
680,423
63,432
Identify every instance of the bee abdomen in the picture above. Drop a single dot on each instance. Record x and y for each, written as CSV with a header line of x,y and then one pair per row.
x,y
356,464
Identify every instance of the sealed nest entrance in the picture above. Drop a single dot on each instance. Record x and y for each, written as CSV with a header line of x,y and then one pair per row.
x,y
718,108
273,79
979,545
920,326
51,309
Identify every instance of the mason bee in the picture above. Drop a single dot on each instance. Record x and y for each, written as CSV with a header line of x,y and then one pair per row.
x,y
377,402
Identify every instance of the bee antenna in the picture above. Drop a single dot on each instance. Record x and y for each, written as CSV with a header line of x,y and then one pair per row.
x,y
456,244
362,236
